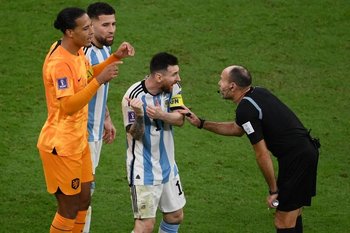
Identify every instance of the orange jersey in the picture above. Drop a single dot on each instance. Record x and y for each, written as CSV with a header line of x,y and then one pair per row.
x,y
64,74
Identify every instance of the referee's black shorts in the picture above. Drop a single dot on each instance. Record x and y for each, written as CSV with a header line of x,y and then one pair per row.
x,y
297,176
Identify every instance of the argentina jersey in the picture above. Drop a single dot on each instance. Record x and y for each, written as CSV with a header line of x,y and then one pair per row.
x,y
150,160
97,105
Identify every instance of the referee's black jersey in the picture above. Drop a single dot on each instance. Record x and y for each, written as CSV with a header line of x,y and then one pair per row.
x,y
263,116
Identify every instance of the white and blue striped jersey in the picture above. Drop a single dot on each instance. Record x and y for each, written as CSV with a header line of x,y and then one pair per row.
x,y
97,105
150,160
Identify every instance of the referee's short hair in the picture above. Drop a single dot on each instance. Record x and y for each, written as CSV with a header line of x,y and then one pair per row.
x,y
240,76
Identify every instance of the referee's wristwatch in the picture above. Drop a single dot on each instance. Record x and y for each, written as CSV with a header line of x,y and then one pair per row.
x,y
273,192
201,124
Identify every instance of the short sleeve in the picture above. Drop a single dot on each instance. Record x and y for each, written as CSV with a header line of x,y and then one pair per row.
x,y
62,79
247,117
129,116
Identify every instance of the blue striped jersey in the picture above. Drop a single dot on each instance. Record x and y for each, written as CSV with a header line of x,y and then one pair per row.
x,y
150,160
97,105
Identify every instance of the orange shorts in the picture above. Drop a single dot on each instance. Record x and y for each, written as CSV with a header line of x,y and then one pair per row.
x,y
67,172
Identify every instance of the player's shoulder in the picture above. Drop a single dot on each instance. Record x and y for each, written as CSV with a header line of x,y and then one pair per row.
x,y
135,89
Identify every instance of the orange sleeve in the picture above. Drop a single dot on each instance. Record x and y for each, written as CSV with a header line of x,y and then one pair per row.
x,y
98,68
74,103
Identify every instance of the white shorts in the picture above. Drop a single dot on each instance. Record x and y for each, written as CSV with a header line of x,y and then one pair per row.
x,y
95,150
168,197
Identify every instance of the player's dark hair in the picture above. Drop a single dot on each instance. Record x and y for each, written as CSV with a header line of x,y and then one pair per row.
x,y
99,8
66,18
161,61
240,76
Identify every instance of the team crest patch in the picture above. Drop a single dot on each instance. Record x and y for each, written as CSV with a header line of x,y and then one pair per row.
x,y
131,117
75,183
62,83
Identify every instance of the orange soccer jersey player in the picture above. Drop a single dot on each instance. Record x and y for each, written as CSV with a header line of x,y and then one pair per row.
x,y
62,142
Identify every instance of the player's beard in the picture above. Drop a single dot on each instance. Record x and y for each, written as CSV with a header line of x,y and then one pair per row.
x,y
104,41
167,88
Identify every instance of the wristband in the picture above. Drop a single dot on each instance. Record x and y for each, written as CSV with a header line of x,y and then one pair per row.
x,y
201,124
273,193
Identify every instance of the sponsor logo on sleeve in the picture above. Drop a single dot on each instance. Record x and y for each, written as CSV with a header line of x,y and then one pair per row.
x,y
62,83
131,117
248,128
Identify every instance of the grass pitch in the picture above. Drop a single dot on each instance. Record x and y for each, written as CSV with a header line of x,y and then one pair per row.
x,y
298,49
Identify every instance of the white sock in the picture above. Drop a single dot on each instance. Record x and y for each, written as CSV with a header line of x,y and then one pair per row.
x,y
87,220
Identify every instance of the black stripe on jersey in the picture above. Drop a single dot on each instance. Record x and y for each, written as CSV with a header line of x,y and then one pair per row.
x,y
85,49
56,46
135,207
132,163
137,90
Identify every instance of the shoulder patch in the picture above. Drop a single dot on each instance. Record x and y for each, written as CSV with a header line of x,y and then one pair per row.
x,y
248,128
62,83
131,116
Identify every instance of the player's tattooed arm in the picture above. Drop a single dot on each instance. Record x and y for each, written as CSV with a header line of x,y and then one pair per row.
x,y
137,129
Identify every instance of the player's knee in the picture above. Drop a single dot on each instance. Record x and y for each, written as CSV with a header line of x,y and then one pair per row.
x,y
85,202
144,226
281,223
148,227
174,217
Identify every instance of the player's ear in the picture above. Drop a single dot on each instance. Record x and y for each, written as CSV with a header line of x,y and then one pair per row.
x,y
69,32
158,76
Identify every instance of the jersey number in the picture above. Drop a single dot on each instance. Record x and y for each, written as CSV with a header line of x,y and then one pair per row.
x,y
179,187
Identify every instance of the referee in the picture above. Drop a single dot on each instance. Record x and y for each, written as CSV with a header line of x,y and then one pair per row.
x,y
271,127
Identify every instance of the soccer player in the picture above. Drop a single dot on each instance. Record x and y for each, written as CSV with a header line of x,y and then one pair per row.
x,y
150,110
100,125
70,82
271,127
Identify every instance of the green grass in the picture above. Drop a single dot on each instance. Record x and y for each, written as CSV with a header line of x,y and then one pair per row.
x,y
298,49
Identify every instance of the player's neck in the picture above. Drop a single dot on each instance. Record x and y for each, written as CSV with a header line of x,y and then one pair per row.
x,y
97,44
70,47
152,86
240,95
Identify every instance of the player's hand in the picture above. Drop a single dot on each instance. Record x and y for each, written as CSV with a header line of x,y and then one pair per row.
x,y
190,116
154,112
125,50
136,104
109,132
110,72
271,201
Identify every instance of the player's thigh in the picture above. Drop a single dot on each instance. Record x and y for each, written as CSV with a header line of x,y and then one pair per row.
x,y
173,196
86,170
145,200
95,150
62,172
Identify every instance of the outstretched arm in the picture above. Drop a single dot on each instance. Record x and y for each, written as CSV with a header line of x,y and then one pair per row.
x,y
222,128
